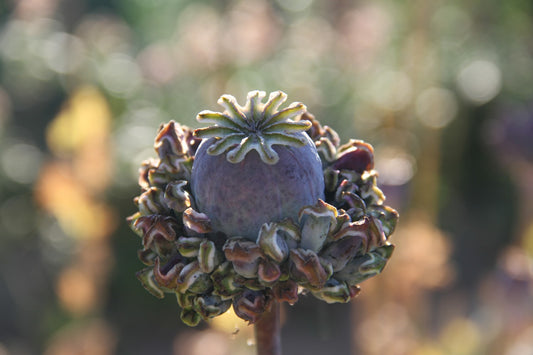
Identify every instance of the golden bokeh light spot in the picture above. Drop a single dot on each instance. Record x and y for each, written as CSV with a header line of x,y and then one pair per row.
x,y
77,291
95,337
229,323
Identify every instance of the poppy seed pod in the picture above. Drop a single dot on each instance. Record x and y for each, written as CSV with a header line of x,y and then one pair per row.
x,y
255,165
258,207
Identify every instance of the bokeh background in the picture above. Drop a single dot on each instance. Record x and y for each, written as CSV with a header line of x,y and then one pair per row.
x,y
442,89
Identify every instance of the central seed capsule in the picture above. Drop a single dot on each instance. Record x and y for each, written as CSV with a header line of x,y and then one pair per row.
x,y
255,165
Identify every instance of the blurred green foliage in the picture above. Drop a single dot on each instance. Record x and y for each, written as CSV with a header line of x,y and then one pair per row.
x,y
442,89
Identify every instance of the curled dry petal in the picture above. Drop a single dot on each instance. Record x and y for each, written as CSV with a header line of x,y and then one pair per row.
x,y
241,250
387,216
356,156
159,233
209,306
272,243
158,177
192,279
142,224
146,166
149,202
268,271
190,317
333,137
358,229
169,140
331,179
344,187
162,227
247,269
191,141
168,275
340,252
189,247
334,291
185,300
244,255
146,277
343,220
250,283
290,232
250,305
357,206
317,221
176,197
315,131
365,266
196,221
207,256
147,256
307,265
368,189
158,226
171,167
224,281
326,149
376,234
286,291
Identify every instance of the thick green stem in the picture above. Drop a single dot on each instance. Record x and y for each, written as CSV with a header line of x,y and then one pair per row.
x,y
268,332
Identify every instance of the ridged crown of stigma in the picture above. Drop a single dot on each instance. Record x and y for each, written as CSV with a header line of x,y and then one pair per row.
x,y
256,125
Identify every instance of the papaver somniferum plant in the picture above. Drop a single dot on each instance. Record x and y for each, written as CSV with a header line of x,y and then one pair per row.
x,y
261,206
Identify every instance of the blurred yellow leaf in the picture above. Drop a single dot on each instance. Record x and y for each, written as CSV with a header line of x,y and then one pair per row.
x,y
85,119
461,336
78,214
81,132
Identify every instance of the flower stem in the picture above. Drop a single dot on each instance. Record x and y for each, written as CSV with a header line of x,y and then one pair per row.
x,y
267,332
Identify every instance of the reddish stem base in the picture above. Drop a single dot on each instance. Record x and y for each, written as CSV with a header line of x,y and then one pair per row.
x,y
268,332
